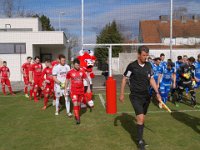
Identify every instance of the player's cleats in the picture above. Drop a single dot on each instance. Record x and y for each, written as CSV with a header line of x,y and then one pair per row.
x,y
77,120
141,145
56,113
69,115
44,108
26,95
13,94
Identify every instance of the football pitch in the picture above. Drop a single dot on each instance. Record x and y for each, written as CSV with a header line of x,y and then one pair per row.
x,y
24,126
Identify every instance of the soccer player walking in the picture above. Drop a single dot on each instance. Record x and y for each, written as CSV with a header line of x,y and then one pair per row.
x,y
167,79
76,76
48,82
140,75
4,76
197,72
35,76
25,71
163,63
59,76
187,77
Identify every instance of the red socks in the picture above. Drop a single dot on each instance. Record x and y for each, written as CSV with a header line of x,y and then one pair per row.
x,y
26,90
10,89
45,101
76,111
4,90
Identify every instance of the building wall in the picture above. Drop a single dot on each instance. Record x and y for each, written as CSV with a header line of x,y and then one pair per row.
x,y
119,64
21,23
14,62
182,41
31,39
42,37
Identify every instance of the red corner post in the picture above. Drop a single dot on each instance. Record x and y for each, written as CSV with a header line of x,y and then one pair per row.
x,y
111,96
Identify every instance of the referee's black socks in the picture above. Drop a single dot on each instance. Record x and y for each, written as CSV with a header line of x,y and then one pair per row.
x,y
140,129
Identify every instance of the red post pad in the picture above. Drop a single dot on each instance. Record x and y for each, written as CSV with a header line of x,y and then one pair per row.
x,y
111,96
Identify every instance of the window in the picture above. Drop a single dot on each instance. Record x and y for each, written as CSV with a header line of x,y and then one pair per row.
x,y
20,48
12,48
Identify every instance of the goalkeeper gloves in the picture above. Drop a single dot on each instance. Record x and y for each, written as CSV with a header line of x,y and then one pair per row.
x,y
62,85
186,75
193,83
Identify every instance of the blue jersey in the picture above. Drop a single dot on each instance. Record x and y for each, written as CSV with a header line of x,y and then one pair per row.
x,y
177,67
197,69
157,70
163,64
167,75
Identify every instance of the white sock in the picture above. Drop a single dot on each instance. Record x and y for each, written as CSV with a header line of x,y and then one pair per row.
x,y
57,103
67,104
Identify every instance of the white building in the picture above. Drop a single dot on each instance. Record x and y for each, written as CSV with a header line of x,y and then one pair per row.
x,y
22,37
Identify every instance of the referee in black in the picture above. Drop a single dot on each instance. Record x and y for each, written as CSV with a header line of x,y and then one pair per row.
x,y
140,76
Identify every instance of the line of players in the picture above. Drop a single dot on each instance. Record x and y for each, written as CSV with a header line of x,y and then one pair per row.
x,y
183,75
57,80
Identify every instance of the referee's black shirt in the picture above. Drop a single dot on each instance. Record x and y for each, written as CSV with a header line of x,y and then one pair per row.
x,y
139,77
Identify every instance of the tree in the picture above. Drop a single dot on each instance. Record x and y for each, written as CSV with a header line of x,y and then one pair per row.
x,y
109,34
180,11
72,42
8,8
46,24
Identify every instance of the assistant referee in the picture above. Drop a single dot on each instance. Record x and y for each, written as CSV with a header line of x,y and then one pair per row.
x,y
140,76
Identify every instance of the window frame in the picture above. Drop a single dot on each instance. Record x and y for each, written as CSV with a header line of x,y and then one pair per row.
x,y
15,48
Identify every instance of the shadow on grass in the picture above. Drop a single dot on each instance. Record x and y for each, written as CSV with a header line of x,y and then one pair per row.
x,y
190,121
128,123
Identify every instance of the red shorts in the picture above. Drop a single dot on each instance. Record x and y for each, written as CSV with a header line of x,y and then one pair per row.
x,y
37,82
77,97
5,81
26,80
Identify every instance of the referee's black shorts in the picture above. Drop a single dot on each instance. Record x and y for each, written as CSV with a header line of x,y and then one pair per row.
x,y
140,103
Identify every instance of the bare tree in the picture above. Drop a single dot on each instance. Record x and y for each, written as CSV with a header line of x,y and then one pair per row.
x,y
72,42
8,7
180,11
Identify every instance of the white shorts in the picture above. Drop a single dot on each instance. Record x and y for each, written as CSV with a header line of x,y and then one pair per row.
x,y
60,92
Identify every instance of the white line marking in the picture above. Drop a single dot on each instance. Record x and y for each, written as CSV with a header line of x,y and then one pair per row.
x,y
117,94
102,100
99,87
158,111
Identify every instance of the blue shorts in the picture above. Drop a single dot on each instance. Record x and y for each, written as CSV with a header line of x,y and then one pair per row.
x,y
197,85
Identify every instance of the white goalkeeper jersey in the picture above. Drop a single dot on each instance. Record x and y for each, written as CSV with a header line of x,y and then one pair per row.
x,y
60,72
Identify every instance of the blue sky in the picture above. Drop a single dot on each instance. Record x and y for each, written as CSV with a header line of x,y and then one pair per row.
x,y
98,13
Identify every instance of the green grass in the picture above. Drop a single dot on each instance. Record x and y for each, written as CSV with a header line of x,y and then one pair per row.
x,y
24,126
